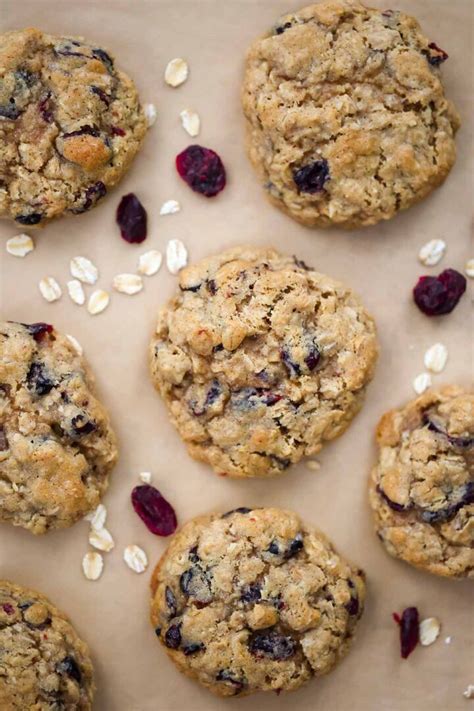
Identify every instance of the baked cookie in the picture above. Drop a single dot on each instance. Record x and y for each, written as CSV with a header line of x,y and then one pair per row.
x,y
260,359
254,600
422,488
44,666
347,122
56,443
70,125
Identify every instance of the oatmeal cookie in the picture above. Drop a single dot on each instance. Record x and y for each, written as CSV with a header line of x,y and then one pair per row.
x,y
70,125
56,443
254,600
43,664
422,488
347,122
260,359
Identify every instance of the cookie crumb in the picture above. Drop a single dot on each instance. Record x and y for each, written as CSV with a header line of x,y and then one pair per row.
x,y
176,72
421,383
448,640
429,631
469,692
76,292
170,207
136,558
436,358
92,565
50,289
313,465
432,252
470,268
75,344
84,270
145,477
149,263
20,245
176,256
98,302
101,539
191,122
150,114
128,283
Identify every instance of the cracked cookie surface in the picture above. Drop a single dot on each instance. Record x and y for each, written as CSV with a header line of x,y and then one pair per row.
x,y
43,664
422,488
260,359
254,600
56,444
70,125
347,122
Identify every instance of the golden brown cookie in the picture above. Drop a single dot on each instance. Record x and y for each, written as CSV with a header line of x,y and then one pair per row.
x,y
44,666
70,125
56,444
254,600
260,359
422,488
347,122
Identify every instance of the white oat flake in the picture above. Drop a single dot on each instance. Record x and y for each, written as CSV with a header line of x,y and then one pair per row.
x,y
20,245
176,72
469,692
92,565
436,358
170,207
421,383
97,517
429,631
150,114
136,558
98,301
84,270
470,268
149,263
145,477
190,121
432,252
76,292
176,256
75,344
101,539
50,289
128,283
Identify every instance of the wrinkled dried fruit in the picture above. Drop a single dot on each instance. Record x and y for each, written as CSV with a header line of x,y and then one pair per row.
x,y
439,295
132,219
435,54
202,169
311,178
409,630
70,667
38,330
155,512
173,637
272,645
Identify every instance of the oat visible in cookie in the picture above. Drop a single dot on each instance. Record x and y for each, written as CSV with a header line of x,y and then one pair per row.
x,y
44,664
70,125
254,600
56,444
260,359
347,122
422,488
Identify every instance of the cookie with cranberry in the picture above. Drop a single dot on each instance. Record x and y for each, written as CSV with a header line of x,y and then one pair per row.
x,y
44,664
56,443
260,360
347,121
422,488
70,125
254,600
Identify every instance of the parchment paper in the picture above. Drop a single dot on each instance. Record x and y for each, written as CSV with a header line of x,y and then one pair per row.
x,y
133,673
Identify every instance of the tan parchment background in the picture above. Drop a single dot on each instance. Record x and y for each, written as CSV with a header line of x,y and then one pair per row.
x,y
133,674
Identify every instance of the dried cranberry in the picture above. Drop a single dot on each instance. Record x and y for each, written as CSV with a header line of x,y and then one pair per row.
x,y
81,425
435,54
352,606
312,177
38,330
104,57
202,169
83,131
70,667
155,512
9,609
132,219
117,131
171,601
44,107
251,593
173,637
38,379
437,295
227,676
32,219
459,442
272,645
409,630
3,440
101,94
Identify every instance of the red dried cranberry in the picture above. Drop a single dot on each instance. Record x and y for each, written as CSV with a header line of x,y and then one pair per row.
x,y
435,54
117,131
38,330
437,295
8,609
202,169
131,218
409,630
155,512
